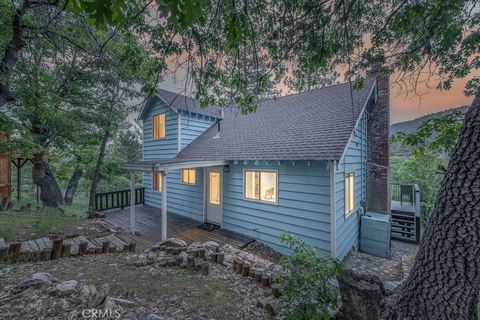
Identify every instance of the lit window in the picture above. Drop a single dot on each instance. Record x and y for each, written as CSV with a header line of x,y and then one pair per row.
x,y
188,176
214,178
158,127
349,192
157,181
260,185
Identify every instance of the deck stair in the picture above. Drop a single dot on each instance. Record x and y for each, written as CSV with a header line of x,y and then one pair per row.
x,y
405,210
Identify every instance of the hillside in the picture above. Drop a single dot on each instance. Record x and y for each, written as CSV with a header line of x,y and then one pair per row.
x,y
411,126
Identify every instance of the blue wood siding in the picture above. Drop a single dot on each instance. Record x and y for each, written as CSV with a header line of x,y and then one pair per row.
x,y
347,227
303,204
192,125
184,199
161,148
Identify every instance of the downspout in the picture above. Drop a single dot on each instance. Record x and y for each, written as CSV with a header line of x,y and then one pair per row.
x,y
333,210
179,132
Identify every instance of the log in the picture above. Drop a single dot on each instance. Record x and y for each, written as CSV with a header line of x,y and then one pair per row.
x,y
132,246
105,246
175,251
172,262
163,263
162,248
156,248
245,269
276,290
66,248
220,257
169,249
56,249
14,251
82,248
265,280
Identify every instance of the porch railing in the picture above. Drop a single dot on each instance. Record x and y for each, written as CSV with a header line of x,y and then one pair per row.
x,y
118,199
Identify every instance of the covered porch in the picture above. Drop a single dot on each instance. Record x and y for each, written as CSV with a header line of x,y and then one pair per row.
x,y
155,221
149,224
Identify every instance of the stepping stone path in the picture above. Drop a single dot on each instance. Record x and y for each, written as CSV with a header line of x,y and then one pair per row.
x,y
51,249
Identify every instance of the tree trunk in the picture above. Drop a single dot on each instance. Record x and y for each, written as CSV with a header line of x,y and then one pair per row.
x,y
96,172
72,185
444,282
11,56
50,193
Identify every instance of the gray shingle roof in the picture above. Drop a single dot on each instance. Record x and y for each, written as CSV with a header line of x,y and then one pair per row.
x,y
184,103
314,125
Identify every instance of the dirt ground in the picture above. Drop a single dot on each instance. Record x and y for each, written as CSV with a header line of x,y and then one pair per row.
x,y
173,293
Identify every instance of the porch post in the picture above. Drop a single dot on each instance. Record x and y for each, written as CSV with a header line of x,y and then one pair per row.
x,y
164,205
132,202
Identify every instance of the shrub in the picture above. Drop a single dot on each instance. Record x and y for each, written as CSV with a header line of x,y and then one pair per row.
x,y
306,281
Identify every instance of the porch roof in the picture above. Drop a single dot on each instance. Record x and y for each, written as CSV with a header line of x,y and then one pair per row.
x,y
171,164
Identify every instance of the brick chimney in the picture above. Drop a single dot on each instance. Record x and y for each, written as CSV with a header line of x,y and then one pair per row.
x,y
378,129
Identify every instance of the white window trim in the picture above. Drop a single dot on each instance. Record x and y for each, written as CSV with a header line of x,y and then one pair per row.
x,y
187,183
273,203
347,214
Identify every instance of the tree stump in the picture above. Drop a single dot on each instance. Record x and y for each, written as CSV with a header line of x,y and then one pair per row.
x,y
245,269
105,246
82,248
258,276
239,267
276,290
66,248
56,248
220,257
270,306
362,295
3,253
132,246
45,254
265,280
201,253
14,251
213,257
190,261
205,269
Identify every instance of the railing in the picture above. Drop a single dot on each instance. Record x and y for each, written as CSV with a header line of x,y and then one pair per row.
x,y
405,212
117,199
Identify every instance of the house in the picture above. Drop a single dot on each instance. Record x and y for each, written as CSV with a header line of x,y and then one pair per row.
x,y
307,163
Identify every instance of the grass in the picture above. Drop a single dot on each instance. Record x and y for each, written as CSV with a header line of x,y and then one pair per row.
x,y
39,222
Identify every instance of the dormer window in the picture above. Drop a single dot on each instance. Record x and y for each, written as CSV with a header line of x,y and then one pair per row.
x,y
158,126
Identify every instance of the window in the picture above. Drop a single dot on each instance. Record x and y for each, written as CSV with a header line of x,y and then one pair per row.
x,y
188,176
214,191
260,185
158,126
349,192
157,181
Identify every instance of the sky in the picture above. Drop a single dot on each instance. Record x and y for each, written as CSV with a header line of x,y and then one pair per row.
x,y
404,105
428,100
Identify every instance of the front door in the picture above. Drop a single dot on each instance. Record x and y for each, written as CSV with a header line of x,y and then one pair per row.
x,y
214,205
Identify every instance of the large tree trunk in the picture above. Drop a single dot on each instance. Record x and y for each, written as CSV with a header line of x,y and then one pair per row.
x,y
50,193
72,185
444,282
11,56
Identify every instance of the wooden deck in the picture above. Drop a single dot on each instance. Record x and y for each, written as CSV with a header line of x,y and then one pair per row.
x,y
149,226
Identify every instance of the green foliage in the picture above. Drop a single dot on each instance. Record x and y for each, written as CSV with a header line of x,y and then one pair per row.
x,y
422,170
306,281
438,135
